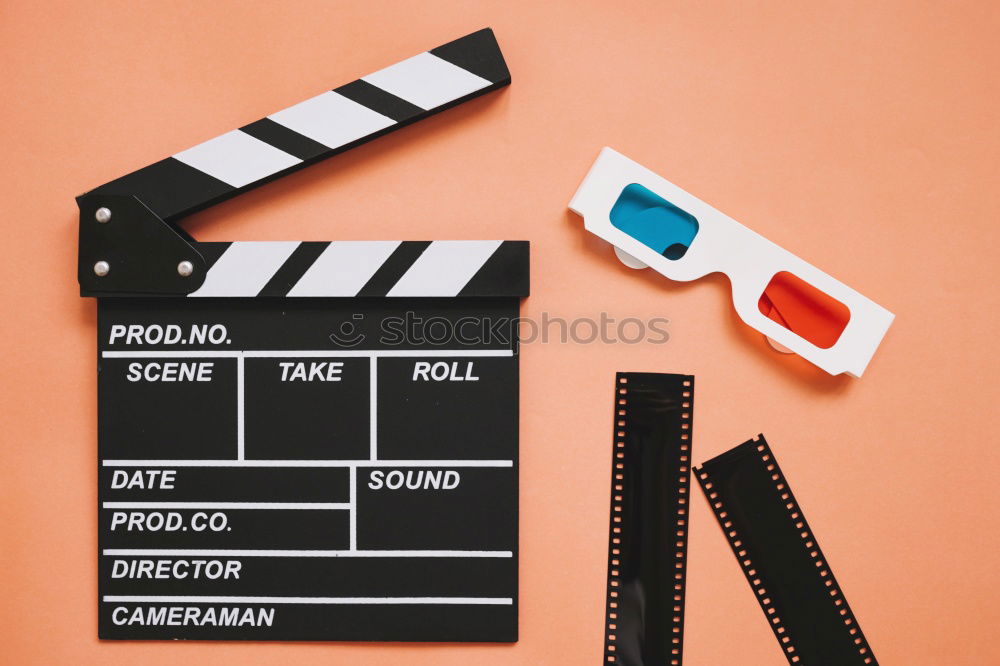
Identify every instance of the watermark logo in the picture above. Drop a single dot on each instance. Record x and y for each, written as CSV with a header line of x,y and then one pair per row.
x,y
411,329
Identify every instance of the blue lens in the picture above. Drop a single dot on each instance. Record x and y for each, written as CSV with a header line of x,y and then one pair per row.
x,y
654,221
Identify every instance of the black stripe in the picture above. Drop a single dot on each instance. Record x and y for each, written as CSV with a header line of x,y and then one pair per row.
x,y
505,273
211,251
379,100
285,139
478,53
293,269
169,188
388,274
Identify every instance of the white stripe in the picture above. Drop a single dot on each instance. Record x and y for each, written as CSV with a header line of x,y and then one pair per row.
x,y
237,158
182,552
444,268
353,516
311,353
427,81
332,119
240,408
245,267
298,506
307,463
343,268
381,601
373,409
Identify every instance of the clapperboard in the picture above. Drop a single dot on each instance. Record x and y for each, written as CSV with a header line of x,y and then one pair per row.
x,y
304,441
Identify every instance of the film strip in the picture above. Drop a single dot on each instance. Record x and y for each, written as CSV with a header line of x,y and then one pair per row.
x,y
781,558
647,545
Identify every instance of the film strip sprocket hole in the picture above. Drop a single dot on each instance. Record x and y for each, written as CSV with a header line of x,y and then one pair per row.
x,y
647,544
781,558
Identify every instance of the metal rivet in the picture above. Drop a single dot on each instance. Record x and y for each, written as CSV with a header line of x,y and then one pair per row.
x,y
185,268
103,215
101,268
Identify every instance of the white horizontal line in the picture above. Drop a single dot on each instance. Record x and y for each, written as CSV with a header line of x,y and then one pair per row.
x,y
303,353
307,463
461,601
181,552
391,352
226,505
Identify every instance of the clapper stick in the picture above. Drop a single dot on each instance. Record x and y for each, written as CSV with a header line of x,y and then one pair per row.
x,y
305,440
129,242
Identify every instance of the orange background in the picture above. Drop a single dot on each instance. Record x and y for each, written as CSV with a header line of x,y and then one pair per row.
x,y
860,135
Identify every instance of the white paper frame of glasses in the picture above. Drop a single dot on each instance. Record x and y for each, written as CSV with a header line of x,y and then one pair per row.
x,y
749,260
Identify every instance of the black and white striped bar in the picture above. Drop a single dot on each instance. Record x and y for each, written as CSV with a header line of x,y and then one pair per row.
x,y
366,268
320,127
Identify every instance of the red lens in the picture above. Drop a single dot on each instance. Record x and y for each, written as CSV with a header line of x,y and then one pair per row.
x,y
804,310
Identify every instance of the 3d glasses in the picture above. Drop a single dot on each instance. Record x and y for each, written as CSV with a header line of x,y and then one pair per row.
x,y
652,222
